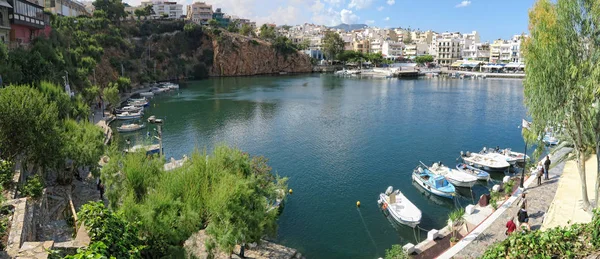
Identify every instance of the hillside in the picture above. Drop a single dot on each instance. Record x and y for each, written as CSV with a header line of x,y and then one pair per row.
x,y
349,27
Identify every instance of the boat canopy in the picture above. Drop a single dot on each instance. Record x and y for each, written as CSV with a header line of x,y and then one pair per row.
x,y
439,181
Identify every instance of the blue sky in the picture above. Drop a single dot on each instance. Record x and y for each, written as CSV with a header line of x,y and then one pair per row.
x,y
492,18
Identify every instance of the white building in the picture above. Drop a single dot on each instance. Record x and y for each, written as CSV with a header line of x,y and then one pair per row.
x,y
478,51
376,46
448,48
171,10
515,48
392,49
415,49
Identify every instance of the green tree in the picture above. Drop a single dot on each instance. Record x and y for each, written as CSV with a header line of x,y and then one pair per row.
x,y
333,44
111,235
139,13
267,32
424,59
233,27
114,9
83,143
111,95
247,30
375,58
29,126
213,23
407,39
561,72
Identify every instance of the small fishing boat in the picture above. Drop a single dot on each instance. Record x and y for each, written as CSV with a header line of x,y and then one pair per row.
x,y
158,90
480,174
130,108
138,103
130,127
170,85
484,162
129,115
550,140
456,177
519,157
433,183
151,119
147,94
150,149
399,207
137,99
495,154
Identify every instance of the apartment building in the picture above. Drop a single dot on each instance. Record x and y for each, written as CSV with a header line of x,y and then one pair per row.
x,y
477,51
392,49
448,48
163,9
362,46
65,7
5,8
199,12
413,50
515,48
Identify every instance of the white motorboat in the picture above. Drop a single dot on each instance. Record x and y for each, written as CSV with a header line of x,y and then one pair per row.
x,y
496,154
399,207
130,108
480,174
143,99
550,139
158,90
147,94
150,149
456,177
138,103
519,157
129,115
484,162
172,85
130,127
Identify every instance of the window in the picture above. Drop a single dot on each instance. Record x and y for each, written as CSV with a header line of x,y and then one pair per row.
x,y
2,23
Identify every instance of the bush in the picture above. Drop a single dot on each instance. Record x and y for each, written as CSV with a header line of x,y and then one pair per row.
x,y
34,187
395,252
6,172
577,240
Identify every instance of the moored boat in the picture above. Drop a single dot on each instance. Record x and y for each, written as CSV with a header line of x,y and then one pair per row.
x,y
137,99
138,103
480,174
518,157
150,149
496,154
129,115
147,94
130,108
456,177
433,183
484,162
399,207
130,127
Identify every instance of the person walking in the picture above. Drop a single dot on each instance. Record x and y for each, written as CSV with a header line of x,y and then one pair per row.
x,y
539,172
510,226
546,167
523,217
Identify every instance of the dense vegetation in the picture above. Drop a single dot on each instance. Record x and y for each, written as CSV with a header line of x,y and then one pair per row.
x,y
228,193
577,240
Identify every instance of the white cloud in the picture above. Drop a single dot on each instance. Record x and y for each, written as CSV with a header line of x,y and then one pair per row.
x,y
369,22
329,17
391,2
317,7
463,4
380,8
359,4
348,17
334,2
387,18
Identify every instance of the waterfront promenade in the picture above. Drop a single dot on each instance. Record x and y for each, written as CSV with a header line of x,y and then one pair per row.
x,y
492,230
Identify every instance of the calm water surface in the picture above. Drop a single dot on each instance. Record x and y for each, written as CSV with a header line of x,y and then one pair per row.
x,y
342,140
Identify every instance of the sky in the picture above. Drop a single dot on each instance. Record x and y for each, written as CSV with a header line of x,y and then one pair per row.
x,y
493,19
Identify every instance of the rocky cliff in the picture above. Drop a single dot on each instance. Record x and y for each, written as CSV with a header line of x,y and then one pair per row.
x,y
174,53
236,55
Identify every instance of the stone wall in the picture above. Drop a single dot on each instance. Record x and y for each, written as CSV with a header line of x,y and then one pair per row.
x,y
23,227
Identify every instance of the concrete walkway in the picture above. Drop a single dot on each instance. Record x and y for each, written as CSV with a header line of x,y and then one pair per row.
x,y
492,230
566,208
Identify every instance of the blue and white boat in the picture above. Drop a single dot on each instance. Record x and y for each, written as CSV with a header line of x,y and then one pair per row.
x,y
433,183
480,174
455,177
399,207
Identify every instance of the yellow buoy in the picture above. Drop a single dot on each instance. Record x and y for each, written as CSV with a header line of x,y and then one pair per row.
x,y
291,191
358,204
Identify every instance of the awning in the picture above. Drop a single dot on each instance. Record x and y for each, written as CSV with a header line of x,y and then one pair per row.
x,y
457,64
514,65
5,4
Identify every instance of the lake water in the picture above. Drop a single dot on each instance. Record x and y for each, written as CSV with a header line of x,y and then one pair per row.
x,y
342,140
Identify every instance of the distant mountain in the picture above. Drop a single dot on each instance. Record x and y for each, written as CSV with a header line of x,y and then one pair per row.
x,y
349,27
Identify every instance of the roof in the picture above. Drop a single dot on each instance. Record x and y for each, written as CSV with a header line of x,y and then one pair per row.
x,y
5,4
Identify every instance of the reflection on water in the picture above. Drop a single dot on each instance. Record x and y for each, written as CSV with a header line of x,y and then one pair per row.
x,y
342,140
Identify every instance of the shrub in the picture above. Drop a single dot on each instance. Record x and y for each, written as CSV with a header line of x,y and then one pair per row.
x,y
6,172
33,188
577,240
395,252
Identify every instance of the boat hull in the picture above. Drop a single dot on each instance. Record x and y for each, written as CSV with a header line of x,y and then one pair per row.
x,y
431,190
395,216
461,183
480,174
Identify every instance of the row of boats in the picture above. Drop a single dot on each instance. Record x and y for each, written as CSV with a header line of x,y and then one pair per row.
x,y
134,109
442,181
